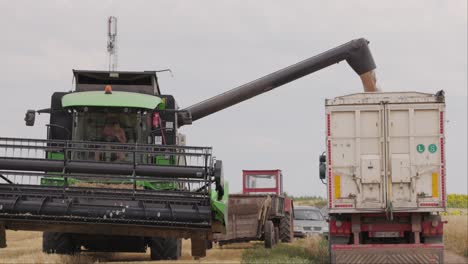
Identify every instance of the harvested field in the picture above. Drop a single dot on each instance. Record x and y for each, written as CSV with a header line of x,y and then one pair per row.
x,y
26,247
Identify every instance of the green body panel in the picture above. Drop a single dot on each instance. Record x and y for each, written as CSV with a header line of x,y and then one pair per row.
x,y
115,99
220,207
164,160
162,105
148,185
55,155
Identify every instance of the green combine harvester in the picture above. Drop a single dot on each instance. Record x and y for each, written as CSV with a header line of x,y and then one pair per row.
x,y
114,173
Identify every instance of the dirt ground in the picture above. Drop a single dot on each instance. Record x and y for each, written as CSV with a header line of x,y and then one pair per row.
x,y
25,247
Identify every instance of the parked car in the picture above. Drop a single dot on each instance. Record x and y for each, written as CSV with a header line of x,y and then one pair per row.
x,y
308,220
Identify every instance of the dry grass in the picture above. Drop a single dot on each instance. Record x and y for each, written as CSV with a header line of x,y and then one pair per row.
x,y
301,251
317,246
456,234
318,202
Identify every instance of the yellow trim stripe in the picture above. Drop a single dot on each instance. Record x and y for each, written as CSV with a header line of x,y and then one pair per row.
x,y
435,185
337,186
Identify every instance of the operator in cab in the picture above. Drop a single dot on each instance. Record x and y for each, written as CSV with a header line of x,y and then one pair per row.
x,y
113,132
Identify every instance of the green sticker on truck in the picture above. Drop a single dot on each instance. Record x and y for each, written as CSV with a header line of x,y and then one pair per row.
x,y
420,148
432,148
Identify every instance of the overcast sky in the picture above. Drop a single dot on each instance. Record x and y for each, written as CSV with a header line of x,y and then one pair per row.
x,y
212,46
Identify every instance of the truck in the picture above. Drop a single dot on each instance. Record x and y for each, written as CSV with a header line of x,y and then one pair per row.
x,y
261,212
385,172
115,174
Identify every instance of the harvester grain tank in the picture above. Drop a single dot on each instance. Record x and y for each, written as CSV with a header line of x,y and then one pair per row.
x,y
114,169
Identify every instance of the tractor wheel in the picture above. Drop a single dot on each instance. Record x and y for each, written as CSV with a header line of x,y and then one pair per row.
x,y
165,248
59,243
286,229
269,234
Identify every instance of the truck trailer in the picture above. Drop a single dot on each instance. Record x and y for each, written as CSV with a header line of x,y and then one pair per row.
x,y
385,172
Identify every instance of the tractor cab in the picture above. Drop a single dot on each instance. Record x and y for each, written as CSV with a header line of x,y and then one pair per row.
x,y
262,181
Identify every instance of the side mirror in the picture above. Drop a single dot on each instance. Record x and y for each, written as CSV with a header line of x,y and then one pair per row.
x,y
322,158
322,167
30,117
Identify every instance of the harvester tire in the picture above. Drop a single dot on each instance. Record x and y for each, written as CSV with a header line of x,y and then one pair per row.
x,y
165,248
58,243
286,231
269,234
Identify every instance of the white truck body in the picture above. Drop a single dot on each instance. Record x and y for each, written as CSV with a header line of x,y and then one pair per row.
x,y
385,152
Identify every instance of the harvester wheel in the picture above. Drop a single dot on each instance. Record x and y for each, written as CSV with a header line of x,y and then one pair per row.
x,y
269,231
58,243
286,231
165,248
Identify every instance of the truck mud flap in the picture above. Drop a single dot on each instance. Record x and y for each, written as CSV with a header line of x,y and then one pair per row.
x,y
388,254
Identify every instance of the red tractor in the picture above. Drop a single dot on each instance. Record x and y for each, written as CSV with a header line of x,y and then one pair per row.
x,y
261,212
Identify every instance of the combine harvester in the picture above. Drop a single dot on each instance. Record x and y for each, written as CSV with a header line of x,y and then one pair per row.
x,y
141,187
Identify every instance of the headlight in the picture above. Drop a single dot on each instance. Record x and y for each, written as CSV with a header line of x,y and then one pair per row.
x,y
325,229
297,228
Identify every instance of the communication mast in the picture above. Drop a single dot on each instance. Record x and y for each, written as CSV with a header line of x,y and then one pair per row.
x,y
112,42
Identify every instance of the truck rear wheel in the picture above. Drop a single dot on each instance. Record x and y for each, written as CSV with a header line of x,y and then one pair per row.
x,y
286,231
59,243
165,248
269,231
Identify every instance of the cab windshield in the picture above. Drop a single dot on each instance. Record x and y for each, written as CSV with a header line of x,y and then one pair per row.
x,y
261,181
119,127
307,214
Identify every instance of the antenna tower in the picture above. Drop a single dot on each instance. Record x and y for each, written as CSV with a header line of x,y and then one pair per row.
x,y
112,42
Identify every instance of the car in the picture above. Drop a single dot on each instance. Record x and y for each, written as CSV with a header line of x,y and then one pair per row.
x,y
308,220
